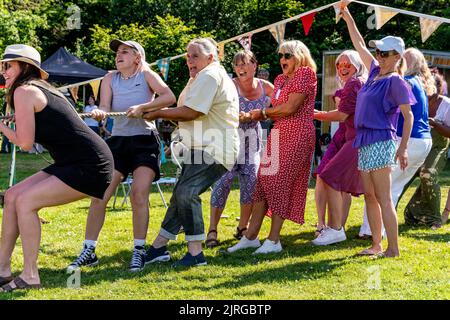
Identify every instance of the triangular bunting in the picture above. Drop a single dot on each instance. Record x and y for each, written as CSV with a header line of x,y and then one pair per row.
x,y
246,42
163,65
95,85
382,16
278,32
307,22
427,27
221,47
337,9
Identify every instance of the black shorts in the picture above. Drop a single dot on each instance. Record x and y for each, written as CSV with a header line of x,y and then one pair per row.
x,y
135,151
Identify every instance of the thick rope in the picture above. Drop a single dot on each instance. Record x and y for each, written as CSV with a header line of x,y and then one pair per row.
x,y
82,115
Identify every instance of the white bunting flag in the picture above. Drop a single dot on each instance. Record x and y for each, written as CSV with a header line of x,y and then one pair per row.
x,y
427,27
382,16
278,32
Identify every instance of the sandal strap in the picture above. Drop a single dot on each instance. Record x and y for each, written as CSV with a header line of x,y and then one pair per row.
x,y
211,231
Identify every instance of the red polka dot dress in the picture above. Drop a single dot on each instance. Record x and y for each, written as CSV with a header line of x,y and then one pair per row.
x,y
286,162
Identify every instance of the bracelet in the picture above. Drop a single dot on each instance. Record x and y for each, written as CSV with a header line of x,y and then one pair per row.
x,y
263,112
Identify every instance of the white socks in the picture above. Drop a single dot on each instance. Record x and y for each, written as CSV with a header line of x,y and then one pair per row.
x,y
90,243
139,243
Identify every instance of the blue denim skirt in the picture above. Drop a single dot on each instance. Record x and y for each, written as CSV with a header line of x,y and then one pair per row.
x,y
377,155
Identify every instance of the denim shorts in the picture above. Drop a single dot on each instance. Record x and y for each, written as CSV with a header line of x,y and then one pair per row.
x,y
377,155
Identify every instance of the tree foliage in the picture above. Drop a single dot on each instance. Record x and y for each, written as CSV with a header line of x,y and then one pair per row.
x,y
164,27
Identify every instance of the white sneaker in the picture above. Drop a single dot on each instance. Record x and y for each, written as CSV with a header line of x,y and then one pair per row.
x,y
245,243
269,246
330,236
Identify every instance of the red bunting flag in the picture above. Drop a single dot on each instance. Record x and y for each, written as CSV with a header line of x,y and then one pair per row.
x,y
307,22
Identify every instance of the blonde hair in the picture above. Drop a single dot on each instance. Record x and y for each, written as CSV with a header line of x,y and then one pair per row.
x,y
418,66
206,46
300,51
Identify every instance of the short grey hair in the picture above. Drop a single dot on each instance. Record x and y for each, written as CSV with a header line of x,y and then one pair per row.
x,y
206,46
356,61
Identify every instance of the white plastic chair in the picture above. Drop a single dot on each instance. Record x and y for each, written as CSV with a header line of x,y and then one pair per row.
x,y
125,186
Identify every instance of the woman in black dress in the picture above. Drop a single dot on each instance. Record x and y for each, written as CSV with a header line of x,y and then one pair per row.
x,y
83,163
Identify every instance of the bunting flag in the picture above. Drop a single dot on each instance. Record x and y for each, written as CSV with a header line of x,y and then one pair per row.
x,y
307,22
278,32
382,16
221,48
95,85
246,42
337,10
163,65
427,27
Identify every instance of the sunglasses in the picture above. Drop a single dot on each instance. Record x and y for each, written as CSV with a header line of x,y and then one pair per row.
x,y
287,56
385,54
341,65
5,66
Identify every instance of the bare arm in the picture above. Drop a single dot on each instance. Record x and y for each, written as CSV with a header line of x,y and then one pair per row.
x,y
333,115
27,100
402,154
357,39
176,114
282,110
441,128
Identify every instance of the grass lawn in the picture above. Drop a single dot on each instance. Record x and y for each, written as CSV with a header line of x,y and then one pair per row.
x,y
301,271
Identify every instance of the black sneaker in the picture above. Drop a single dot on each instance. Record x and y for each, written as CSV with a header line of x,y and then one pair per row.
x,y
191,261
155,255
87,258
137,260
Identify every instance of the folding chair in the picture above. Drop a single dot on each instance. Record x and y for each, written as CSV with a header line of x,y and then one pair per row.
x,y
125,186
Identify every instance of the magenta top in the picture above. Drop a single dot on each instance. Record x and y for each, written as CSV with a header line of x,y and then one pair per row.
x,y
377,107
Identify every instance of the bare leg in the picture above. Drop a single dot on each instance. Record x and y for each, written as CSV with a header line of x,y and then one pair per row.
x,y
373,212
46,193
140,190
195,247
257,217
160,241
214,219
335,205
382,185
96,216
246,212
275,228
346,203
321,202
444,216
10,228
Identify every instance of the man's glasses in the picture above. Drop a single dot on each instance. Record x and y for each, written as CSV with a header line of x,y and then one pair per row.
x,y
287,56
385,54
341,65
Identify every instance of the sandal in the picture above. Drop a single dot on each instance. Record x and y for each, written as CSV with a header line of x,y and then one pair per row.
x,y
369,252
319,231
19,284
239,233
211,243
5,280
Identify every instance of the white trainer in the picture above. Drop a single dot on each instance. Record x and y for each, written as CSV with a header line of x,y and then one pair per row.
x,y
269,246
330,236
244,243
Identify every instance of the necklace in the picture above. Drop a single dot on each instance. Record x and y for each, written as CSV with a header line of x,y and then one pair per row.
x,y
383,75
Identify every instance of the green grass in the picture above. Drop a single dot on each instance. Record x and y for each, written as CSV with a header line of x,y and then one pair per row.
x,y
301,271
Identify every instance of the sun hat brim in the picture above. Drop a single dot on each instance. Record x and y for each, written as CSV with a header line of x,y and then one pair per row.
x,y
44,74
